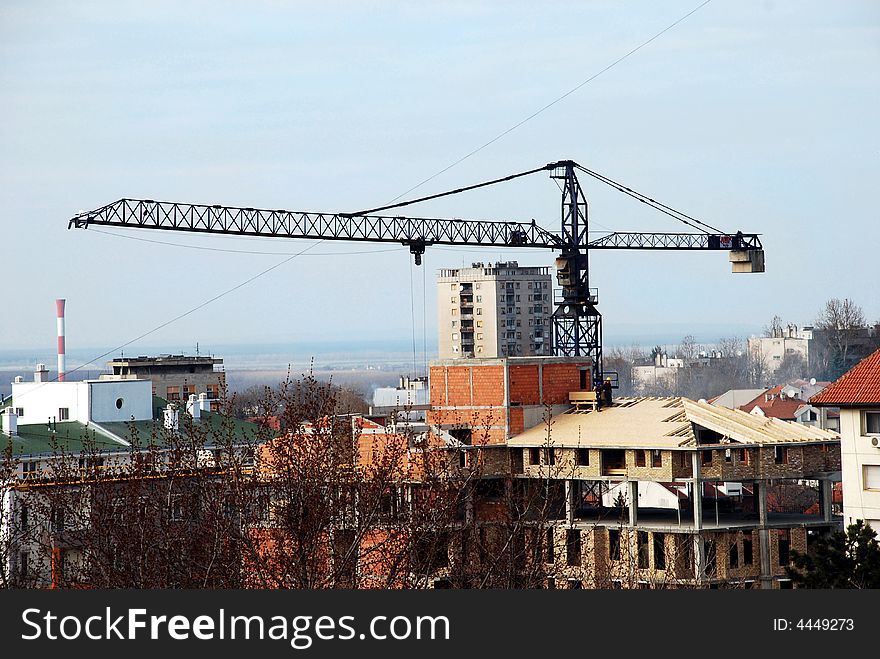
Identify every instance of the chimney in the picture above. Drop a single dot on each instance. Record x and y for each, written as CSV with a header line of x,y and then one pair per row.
x,y
41,374
193,408
59,309
10,422
204,403
172,418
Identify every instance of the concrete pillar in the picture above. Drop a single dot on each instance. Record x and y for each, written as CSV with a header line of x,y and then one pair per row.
x,y
569,501
632,492
825,497
699,558
697,492
763,535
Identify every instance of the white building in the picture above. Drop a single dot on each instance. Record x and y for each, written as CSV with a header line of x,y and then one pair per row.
x,y
857,394
500,310
773,349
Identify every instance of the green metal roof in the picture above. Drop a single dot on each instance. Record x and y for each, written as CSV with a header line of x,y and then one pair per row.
x,y
73,437
67,436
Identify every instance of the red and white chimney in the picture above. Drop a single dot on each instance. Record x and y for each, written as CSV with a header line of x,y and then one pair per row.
x,y
59,308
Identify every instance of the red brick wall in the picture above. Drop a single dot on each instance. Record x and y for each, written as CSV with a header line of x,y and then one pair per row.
x,y
524,387
559,380
458,382
517,424
488,385
437,383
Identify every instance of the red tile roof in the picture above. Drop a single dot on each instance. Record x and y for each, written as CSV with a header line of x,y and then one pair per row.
x,y
858,386
777,408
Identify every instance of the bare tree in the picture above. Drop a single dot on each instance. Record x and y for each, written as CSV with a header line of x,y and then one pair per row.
x,y
838,325
774,329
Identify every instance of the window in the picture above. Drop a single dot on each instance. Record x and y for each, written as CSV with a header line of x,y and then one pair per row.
x,y
656,458
534,456
479,336
744,456
213,391
643,549
63,413
872,423
583,457
614,544
573,547
172,393
784,542
733,554
479,298
872,477
728,455
550,456
549,554
747,549
455,337
452,300
454,312
780,455
707,457
479,323
640,458
57,520
479,311
175,513
23,564
19,411
659,551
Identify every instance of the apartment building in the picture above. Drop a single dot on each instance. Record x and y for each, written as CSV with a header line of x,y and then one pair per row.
x,y
494,310
174,377
857,394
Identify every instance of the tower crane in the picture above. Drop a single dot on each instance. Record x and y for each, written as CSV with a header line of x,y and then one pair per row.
x,y
576,321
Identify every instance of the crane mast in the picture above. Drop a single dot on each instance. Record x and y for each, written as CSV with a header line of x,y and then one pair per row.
x,y
577,323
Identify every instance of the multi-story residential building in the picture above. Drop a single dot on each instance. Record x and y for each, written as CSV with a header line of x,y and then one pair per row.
x,y
174,377
69,442
500,310
857,394
771,350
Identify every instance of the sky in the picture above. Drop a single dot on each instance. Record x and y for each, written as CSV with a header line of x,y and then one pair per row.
x,y
754,116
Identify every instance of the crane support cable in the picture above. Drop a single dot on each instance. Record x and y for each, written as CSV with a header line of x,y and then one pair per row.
x,y
663,208
452,192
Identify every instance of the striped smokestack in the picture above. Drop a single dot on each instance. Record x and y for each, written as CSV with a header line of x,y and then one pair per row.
x,y
59,308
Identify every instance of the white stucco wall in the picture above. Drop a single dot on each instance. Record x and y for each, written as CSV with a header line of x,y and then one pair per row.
x,y
41,401
86,401
120,400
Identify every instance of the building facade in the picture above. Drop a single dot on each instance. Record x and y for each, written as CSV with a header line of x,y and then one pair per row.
x,y
857,394
500,310
174,377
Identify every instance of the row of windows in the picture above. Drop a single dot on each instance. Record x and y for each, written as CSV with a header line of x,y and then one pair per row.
x,y
510,285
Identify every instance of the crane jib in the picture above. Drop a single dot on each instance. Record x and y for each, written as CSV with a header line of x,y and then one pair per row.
x,y
577,330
